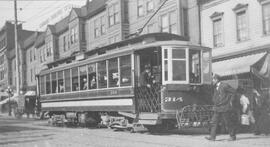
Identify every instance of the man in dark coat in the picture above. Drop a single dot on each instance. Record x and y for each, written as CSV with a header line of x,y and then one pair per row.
x,y
223,111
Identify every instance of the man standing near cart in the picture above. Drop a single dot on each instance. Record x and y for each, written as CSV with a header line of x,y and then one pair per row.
x,y
223,109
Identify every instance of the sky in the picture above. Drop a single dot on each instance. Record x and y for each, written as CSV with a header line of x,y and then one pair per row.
x,y
36,14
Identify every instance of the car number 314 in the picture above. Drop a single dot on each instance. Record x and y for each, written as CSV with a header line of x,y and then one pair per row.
x,y
173,99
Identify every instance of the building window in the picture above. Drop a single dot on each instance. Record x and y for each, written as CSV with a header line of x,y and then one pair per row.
x,y
150,6
266,18
241,26
140,8
103,25
64,43
74,35
168,22
217,33
242,32
114,14
97,27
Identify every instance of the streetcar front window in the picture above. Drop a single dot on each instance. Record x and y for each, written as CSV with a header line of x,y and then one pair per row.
x,y
206,67
174,65
178,65
194,66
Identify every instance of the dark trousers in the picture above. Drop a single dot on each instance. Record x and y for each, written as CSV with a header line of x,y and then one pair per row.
x,y
229,119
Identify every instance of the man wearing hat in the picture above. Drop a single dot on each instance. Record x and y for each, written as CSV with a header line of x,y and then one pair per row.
x,y
222,99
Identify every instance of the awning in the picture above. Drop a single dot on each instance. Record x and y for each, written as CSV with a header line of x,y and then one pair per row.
x,y
30,93
262,67
236,65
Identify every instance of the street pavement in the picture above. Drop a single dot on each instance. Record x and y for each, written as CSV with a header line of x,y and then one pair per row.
x,y
37,133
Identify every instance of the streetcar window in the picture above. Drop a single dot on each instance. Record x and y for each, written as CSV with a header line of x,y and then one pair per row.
x,y
75,79
54,83
166,69
166,64
206,60
92,80
125,70
102,74
194,66
42,85
61,87
178,65
67,80
113,72
48,84
83,78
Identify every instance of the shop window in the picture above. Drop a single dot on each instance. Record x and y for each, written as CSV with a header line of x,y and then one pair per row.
x,y
266,18
92,77
125,70
140,8
102,74
67,80
113,73
75,79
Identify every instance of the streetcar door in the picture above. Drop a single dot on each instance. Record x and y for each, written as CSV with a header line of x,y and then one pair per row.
x,y
148,79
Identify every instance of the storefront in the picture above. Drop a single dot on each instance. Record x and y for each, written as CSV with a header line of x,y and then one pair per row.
x,y
249,71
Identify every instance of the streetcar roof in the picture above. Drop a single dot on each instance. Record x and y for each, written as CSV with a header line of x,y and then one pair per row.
x,y
154,38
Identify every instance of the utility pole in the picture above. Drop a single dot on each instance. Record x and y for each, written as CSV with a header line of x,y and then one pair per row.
x,y
16,50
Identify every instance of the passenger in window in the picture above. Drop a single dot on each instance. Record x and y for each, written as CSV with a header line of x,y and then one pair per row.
x,y
93,83
61,88
115,78
85,83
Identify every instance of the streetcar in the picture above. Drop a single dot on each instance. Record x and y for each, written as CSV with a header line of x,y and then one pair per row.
x,y
102,86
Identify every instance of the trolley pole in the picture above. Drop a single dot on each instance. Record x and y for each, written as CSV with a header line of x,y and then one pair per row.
x,y
16,49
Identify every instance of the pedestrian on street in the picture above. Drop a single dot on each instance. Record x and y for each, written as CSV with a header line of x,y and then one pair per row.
x,y
223,98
